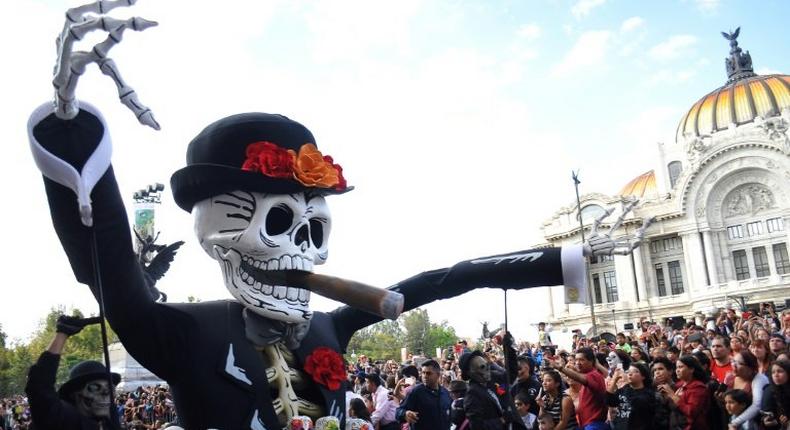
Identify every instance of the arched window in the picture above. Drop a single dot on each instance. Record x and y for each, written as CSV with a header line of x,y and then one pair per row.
x,y
674,168
591,212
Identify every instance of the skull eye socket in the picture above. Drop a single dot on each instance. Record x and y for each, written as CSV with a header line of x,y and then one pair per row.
x,y
279,219
317,232
94,387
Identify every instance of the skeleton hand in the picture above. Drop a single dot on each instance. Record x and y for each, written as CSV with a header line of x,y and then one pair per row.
x,y
71,64
598,244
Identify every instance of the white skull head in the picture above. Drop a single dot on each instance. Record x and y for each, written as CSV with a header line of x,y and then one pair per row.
x,y
613,360
93,400
249,233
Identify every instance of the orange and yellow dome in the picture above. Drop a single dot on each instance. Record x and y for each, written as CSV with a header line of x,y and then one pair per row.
x,y
738,103
643,185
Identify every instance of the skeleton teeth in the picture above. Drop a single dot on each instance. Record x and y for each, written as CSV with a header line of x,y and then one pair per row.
x,y
297,263
292,294
273,265
279,292
285,262
302,295
244,276
257,264
258,286
267,289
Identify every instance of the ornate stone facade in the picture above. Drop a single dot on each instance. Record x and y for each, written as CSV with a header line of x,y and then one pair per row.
x,y
722,234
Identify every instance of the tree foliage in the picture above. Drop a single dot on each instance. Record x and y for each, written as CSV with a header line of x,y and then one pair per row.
x,y
412,330
17,359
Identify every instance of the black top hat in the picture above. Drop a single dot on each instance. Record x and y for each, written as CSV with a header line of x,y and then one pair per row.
x,y
464,362
84,372
221,159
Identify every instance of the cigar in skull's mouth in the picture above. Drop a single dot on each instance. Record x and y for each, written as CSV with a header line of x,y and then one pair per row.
x,y
378,301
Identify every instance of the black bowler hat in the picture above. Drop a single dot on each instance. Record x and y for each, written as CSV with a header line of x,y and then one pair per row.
x,y
465,361
215,158
82,373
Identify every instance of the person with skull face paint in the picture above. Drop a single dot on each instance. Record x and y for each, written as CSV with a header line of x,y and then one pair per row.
x,y
486,404
84,401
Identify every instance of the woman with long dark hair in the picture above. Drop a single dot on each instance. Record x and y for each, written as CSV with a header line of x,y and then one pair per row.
x,y
556,403
635,401
358,409
691,397
776,398
749,379
763,354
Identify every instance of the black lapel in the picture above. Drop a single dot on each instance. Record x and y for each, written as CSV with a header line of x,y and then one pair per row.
x,y
243,365
322,333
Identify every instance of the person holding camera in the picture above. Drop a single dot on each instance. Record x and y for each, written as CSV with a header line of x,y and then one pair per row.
x,y
775,408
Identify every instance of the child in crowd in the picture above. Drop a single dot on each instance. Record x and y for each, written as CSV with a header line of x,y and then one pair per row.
x,y
522,403
545,422
736,401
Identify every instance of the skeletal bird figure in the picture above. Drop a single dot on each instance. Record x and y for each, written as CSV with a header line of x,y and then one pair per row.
x,y
154,268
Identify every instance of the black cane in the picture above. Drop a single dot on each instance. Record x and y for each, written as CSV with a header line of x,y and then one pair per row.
x,y
103,324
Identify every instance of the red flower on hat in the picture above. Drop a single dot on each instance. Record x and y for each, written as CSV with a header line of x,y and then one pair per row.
x,y
269,159
309,167
326,367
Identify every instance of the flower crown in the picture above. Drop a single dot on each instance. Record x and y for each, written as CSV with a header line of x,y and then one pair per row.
x,y
309,167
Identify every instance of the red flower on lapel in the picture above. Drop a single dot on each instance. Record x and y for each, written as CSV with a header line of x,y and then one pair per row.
x,y
500,391
326,367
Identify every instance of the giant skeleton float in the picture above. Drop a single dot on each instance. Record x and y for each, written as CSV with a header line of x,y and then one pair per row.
x,y
256,184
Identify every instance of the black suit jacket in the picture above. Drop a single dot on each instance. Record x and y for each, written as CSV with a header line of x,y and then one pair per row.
x,y
200,349
483,411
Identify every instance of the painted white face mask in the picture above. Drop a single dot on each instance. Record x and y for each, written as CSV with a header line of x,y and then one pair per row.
x,y
613,360
479,370
249,233
93,400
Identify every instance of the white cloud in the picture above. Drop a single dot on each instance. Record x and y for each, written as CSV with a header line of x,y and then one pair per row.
x,y
767,71
673,48
583,8
707,5
670,77
348,30
631,24
529,32
590,50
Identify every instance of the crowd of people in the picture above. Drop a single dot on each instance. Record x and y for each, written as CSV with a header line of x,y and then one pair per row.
x,y
730,373
146,408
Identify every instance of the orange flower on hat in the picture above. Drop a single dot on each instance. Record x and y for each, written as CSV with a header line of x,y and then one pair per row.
x,y
313,169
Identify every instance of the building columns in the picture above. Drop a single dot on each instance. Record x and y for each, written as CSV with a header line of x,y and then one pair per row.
x,y
641,278
692,254
710,258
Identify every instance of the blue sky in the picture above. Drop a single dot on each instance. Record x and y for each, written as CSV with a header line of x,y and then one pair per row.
x,y
458,122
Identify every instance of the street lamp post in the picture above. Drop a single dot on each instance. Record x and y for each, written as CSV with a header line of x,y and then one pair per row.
x,y
576,183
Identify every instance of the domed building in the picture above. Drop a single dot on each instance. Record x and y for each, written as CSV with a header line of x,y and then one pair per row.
x,y
720,195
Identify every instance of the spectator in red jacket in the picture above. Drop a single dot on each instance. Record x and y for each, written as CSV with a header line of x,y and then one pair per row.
x,y
691,397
